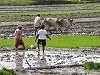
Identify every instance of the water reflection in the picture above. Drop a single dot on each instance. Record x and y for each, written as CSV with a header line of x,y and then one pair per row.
x,y
19,56
42,61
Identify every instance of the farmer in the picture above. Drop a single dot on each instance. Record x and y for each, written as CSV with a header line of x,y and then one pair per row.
x,y
18,37
42,34
37,23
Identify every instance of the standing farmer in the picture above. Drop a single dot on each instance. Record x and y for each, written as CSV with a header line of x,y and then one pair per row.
x,y
37,23
18,37
42,34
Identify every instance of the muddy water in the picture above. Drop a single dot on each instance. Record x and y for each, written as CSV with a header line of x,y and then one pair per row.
x,y
52,57
45,64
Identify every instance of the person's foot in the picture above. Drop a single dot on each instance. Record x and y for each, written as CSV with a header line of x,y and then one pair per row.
x,y
38,52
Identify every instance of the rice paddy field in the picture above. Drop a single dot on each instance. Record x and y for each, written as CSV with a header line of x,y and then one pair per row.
x,y
59,41
27,13
22,13
70,42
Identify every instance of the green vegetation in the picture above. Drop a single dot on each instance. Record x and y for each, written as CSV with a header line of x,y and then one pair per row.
x,y
5,71
86,4
32,2
59,41
29,15
22,16
51,12
91,66
16,2
74,41
84,1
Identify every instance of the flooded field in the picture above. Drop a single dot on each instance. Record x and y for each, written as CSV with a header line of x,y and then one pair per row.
x,y
55,60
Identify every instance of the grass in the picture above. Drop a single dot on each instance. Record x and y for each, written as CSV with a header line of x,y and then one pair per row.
x,y
59,41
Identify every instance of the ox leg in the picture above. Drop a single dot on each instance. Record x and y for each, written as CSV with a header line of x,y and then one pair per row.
x,y
60,29
57,28
50,31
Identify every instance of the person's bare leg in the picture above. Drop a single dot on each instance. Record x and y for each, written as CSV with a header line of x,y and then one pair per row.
x,y
23,47
35,30
43,49
38,49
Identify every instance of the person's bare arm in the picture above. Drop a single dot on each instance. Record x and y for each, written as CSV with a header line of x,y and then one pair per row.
x,y
36,37
15,33
48,36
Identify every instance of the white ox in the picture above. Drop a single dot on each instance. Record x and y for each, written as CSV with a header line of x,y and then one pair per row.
x,y
57,23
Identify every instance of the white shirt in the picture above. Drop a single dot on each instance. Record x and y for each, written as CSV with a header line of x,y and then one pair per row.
x,y
37,21
42,34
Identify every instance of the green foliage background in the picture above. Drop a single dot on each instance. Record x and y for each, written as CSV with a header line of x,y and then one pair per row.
x,y
32,2
16,2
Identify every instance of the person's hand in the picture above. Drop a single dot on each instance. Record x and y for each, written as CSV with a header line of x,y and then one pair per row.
x,y
35,40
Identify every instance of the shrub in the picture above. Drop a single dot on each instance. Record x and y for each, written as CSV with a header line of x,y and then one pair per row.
x,y
2,72
9,70
6,71
89,65
97,66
